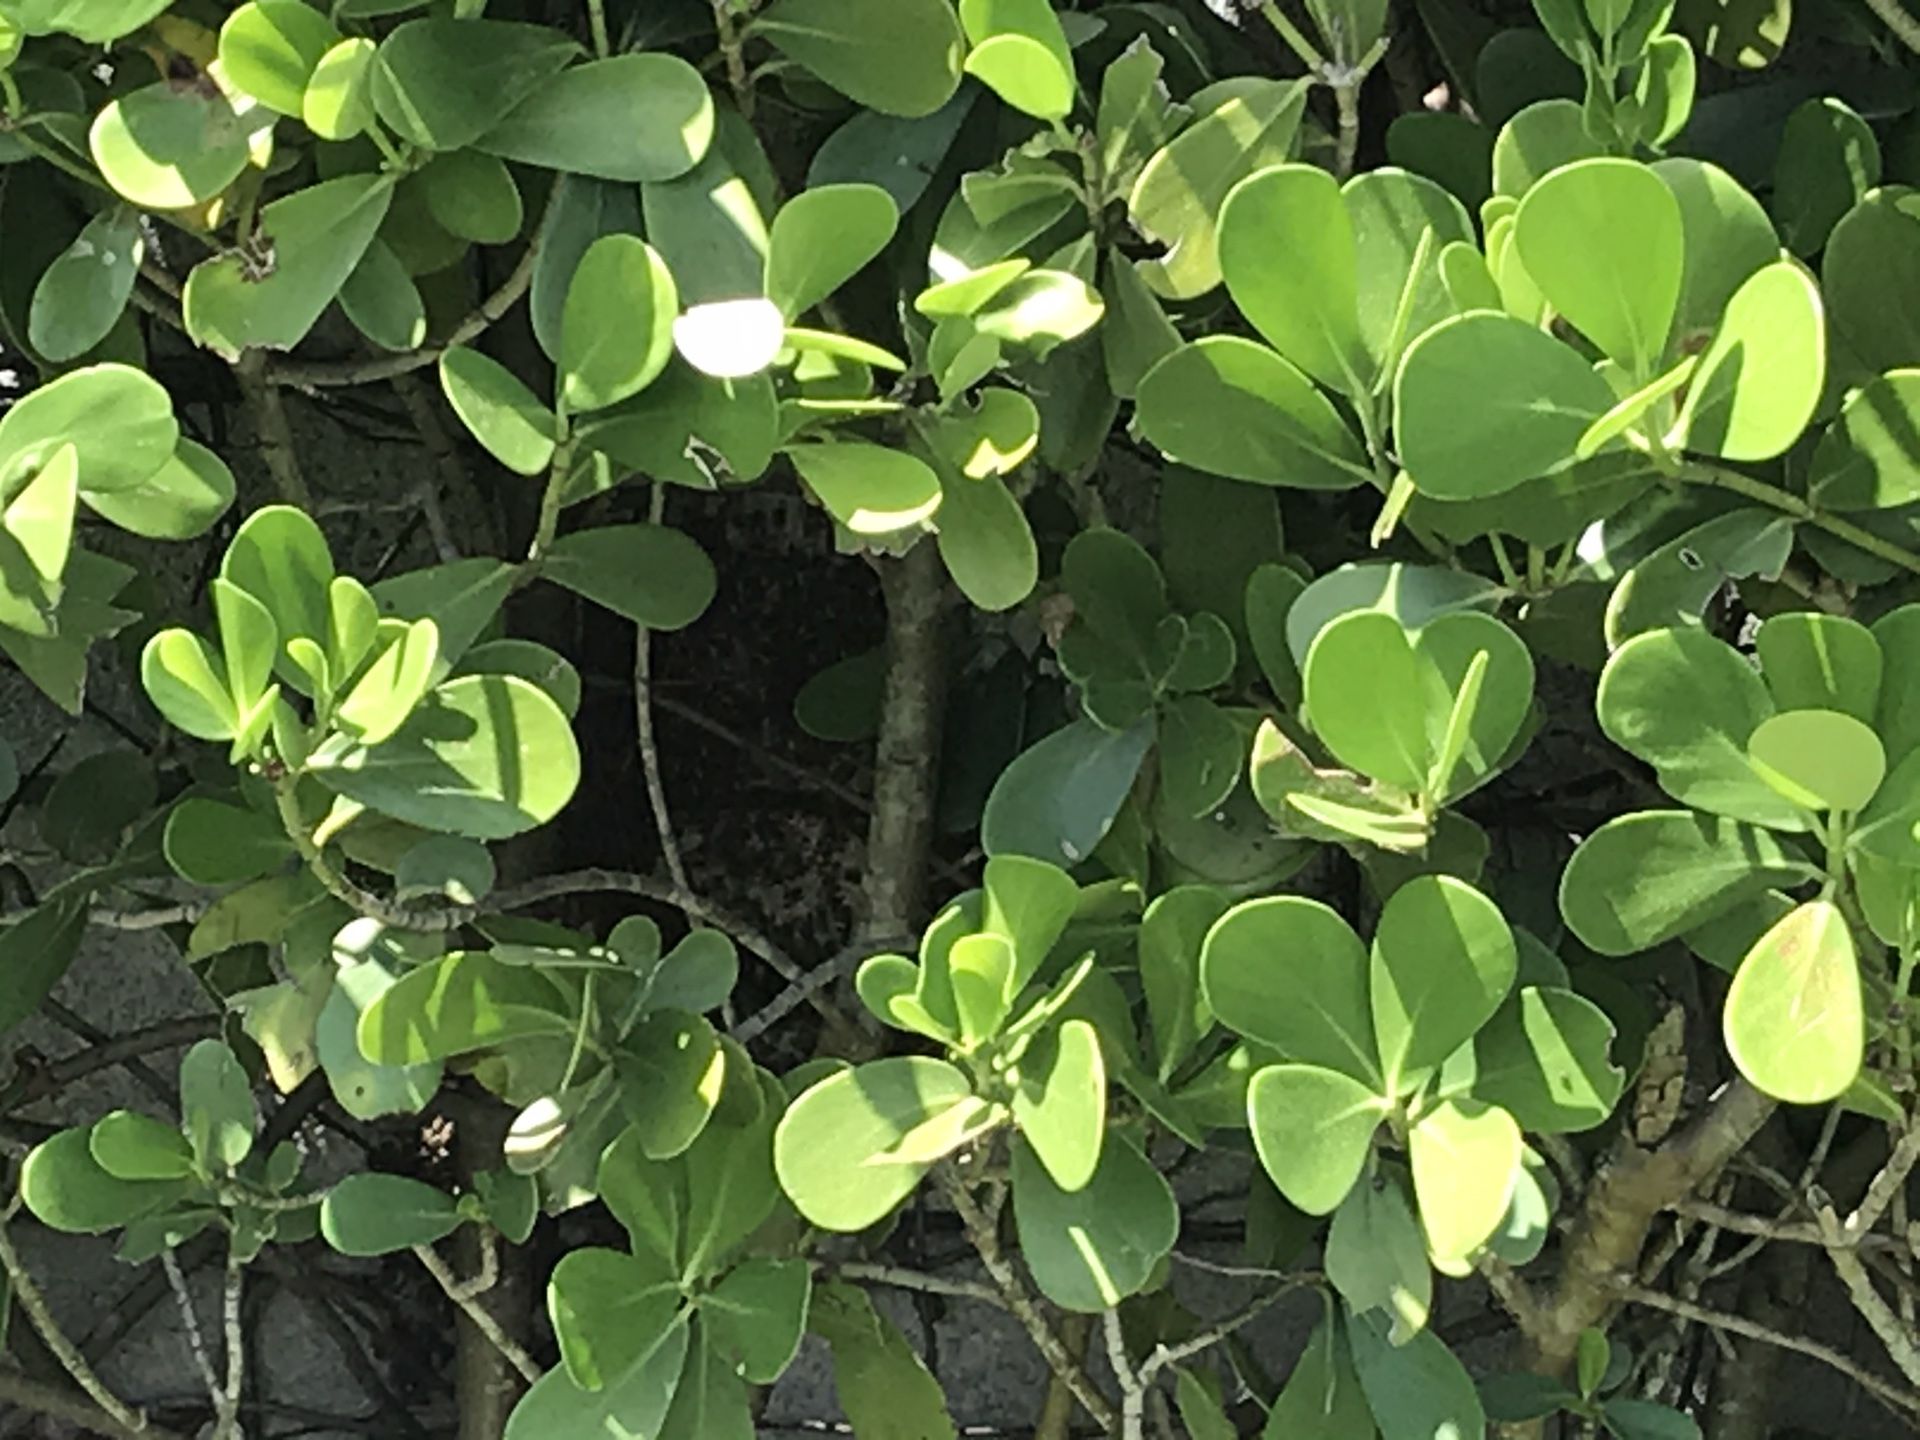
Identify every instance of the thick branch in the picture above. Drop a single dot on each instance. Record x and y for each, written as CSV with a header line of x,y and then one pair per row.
x,y
1620,1208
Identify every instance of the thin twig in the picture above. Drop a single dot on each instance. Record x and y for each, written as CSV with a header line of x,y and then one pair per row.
x,y
27,1294
446,461
894,1277
274,434
227,1401
1020,1302
825,784
809,985
1886,1185
471,1307
643,723
190,1322
1890,1395
1895,17
1852,1270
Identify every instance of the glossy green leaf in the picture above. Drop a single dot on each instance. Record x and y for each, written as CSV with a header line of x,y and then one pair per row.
x,y
269,48
382,301
1172,931
1819,759
672,1071
836,1148
187,683
1366,699
1814,661
118,419
368,1214
1672,586
610,1311
216,1105
317,236
631,117
882,1385
1687,704
165,148
1376,1258
1307,308
1483,402
1020,53
1177,198
394,682
1313,1130
1538,140
473,196
463,1002
65,1188
1289,973
1643,879
870,489
821,239
631,1406
1417,1390
498,409
1869,274
984,538
84,291
1321,1399
900,57
1740,406
1231,407
210,843
1727,238
617,332
131,1146
337,100
1828,159
652,574
1089,1249
1466,1159
444,83
754,1318
1793,1021
1543,1058
1059,797
1060,1102
1869,458
1443,959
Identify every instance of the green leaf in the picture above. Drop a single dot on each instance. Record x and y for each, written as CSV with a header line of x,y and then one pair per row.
x,y
1020,53
1544,1059
870,489
610,1311
1322,1399
1059,797
1669,79
617,332
900,57
1592,1358
1060,1102
691,428
883,1387
94,21
1172,932
1869,275
1647,1420
821,239
1728,238
651,574
631,117
1687,704
131,1146
1417,1390
463,1002
1466,1158
1289,973
1231,407
216,1103
461,598
1483,402
1039,310
532,662
1793,1020
1177,197
1640,880
370,1214
382,301
1366,697
1443,959
1401,292
497,407
391,686
1897,720
1869,458
1307,308
187,684
1813,661
337,101
1827,160
671,1070
1089,1249
836,1148
119,421
754,1318
441,84
1376,1258
1538,140
1200,1408
1313,1130
631,1406
83,292
179,501
1673,585
985,540
66,1188
317,236
40,517
1740,407
1203,753
1819,759
900,155
473,196
269,48
710,1402
166,148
